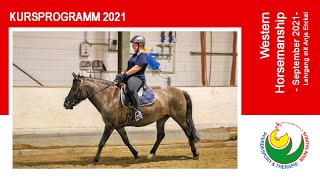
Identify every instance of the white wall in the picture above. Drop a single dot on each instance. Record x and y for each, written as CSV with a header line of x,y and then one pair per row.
x,y
40,110
51,57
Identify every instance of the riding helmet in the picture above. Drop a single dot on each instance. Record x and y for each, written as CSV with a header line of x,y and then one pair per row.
x,y
139,39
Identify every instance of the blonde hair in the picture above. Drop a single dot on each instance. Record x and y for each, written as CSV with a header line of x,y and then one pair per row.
x,y
144,49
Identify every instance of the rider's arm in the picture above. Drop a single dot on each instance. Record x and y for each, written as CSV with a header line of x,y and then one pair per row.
x,y
133,70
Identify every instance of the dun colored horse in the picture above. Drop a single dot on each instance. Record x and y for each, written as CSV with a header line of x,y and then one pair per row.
x,y
105,96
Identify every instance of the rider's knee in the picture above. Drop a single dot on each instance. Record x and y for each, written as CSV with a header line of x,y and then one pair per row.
x,y
133,92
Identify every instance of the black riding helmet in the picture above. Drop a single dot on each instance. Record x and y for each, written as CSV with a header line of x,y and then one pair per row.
x,y
140,40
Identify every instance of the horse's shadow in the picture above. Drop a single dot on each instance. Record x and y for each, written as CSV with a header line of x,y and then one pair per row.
x,y
124,162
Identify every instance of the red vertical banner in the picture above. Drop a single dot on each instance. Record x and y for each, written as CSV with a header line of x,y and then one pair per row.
x,y
280,73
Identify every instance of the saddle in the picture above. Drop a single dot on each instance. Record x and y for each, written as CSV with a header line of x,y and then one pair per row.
x,y
146,96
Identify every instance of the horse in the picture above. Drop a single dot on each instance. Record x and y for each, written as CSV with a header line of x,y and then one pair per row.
x,y
105,96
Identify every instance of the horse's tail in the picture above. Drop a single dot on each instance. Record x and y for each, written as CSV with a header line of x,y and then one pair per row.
x,y
189,119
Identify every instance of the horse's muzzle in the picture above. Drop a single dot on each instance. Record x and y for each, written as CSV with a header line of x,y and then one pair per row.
x,y
67,105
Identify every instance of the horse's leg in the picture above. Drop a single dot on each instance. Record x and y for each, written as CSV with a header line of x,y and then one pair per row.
x,y
125,139
187,130
106,134
160,136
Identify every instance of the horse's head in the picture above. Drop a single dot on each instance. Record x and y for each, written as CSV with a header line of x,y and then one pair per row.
x,y
76,94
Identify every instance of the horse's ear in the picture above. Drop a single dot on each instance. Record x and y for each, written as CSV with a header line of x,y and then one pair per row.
x,y
78,74
74,75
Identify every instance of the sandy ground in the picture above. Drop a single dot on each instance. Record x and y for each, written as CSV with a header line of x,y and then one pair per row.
x,y
214,153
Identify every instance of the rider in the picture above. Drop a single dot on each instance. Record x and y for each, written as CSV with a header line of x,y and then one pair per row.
x,y
134,76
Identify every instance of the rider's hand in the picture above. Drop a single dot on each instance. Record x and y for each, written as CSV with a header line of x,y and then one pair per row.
x,y
121,77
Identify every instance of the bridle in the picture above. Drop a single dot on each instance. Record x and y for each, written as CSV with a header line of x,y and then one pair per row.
x,y
79,97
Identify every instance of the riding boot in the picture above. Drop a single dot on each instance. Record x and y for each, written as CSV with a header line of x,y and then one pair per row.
x,y
136,105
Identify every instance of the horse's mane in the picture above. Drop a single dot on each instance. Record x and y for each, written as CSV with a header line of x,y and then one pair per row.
x,y
96,80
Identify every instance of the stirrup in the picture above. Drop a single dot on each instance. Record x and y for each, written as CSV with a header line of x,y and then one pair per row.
x,y
138,116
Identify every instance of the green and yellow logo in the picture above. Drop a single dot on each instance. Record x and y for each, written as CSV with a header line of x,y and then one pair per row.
x,y
286,146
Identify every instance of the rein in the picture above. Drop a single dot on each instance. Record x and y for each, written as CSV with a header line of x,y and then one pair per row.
x,y
113,83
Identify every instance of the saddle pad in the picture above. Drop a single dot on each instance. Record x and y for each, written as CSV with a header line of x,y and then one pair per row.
x,y
148,97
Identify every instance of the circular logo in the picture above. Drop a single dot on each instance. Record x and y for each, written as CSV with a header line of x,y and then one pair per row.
x,y
285,146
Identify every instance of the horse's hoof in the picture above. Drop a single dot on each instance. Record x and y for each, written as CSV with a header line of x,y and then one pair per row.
x,y
136,157
151,156
93,163
196,157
